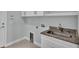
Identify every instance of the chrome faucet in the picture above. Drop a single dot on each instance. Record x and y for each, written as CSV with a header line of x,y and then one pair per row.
x,y
60,28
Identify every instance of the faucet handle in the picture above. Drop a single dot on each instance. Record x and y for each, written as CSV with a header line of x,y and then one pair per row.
x,y
60,26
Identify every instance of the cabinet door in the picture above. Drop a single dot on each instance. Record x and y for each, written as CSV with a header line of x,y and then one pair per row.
x,y
49,42
59,13
39,13
32,13
45,43
38,35
58,43
28,13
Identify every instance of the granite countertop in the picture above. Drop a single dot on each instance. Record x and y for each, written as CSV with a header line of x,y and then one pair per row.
x,y
74,39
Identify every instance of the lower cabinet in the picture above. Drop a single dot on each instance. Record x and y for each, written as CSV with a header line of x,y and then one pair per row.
x,y
51,42
32,13
37,35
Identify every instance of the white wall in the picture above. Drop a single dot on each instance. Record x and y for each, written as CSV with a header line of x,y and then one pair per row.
x,y
15,25
66,21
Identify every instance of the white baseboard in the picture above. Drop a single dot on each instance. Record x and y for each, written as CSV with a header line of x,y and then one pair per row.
x,y
34,42
18,40
1,46
27,38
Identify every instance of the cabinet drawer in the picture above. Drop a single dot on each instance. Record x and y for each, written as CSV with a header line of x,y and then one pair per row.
x,y
49,44
57,43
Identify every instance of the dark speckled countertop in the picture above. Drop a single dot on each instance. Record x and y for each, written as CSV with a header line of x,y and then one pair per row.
x,y
73,39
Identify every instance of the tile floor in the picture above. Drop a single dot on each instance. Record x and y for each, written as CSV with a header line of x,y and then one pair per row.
x,y
23,44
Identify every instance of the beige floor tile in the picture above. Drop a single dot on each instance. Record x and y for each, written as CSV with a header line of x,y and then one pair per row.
x,y
23,44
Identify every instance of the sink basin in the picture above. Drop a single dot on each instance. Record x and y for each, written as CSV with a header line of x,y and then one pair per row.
x,y
59,34
63,34
50,32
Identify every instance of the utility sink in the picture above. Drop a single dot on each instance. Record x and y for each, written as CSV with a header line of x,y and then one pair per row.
x,y
63,34
69,35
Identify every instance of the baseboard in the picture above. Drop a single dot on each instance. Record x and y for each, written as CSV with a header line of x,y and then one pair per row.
x,y
18,40
27,38
1,46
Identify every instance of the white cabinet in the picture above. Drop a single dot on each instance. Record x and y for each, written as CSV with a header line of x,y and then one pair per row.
x,y
49,13
27,13
31,13
51,42
60,13
37,35
47,42
39,13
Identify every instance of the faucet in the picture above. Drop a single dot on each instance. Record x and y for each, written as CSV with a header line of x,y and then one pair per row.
x,y
60,28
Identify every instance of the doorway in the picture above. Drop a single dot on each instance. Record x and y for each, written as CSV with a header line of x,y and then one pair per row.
x,y
3,28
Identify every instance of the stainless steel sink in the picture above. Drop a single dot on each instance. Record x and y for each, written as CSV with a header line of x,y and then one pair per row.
x,y
63,34
60,34
66,34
